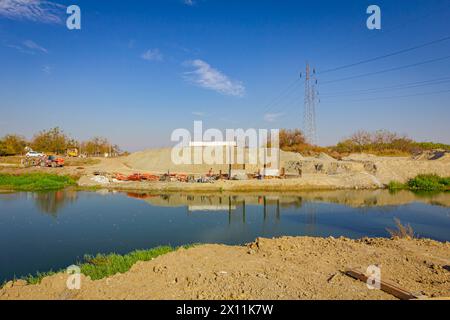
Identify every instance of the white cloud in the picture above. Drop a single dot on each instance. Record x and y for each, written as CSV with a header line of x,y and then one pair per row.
x,y
189,2
34,46
272,117
34,10
152,55
207,77
198,114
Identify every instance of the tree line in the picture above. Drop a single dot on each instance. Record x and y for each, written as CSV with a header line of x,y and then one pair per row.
x,y
57,142
381,142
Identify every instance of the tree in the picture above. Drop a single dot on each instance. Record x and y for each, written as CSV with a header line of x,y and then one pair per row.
x,y
379,142
53,140
12,144
291,138
99,146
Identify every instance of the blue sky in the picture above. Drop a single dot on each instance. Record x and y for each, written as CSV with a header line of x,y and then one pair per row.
x,y
137,70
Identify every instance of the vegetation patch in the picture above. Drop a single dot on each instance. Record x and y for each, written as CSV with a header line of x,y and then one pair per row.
x,y
424,182
102,266
106,265
35,182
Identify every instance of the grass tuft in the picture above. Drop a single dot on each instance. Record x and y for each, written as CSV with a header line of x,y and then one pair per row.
x,y
402,231
102,266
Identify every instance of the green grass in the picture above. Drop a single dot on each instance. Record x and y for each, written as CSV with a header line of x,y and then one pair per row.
x,y
395,185
35,182
106,265
102,266
424,182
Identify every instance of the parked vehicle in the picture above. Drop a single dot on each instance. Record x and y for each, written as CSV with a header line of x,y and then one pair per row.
x,y
34,154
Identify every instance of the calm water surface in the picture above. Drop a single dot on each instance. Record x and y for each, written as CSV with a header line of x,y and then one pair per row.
x,y
44,231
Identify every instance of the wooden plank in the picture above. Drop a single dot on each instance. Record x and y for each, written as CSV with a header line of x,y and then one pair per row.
x,y
386,286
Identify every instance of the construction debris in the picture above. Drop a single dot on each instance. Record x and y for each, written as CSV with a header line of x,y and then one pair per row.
x,y
386,286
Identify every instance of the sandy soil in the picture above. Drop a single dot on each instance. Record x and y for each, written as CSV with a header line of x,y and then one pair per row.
x,y
284,268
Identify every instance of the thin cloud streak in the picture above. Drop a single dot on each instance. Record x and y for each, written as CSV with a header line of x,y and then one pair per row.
x,y
33,10
28,47
34,46
152,55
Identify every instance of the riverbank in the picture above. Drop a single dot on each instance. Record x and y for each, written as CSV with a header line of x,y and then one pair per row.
x,y
284,268
357,171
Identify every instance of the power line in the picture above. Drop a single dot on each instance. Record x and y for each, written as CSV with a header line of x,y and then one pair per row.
x,y
283,95
385,55
403,96
394,87
394,28
387,70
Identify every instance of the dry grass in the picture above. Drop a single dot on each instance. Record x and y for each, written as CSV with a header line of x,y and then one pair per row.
x,y
11,160
402,231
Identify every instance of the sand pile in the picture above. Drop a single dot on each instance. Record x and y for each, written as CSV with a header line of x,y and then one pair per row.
x,y
359,157
160,161
325,157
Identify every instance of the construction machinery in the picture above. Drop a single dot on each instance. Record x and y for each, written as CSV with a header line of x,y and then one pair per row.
x,y
52,161
73,152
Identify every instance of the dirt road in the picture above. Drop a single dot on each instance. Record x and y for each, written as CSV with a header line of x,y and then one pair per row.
x,y
285,268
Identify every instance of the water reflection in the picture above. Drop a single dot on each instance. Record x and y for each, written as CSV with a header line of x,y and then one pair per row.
x,y
53,201
351,198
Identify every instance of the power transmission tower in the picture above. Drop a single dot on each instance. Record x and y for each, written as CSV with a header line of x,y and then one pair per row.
x,y
309,116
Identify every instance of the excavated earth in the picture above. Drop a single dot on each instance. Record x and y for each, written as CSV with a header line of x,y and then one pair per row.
x,y
284,268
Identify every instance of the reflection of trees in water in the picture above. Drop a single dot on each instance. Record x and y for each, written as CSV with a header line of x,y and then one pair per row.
x,y
53,201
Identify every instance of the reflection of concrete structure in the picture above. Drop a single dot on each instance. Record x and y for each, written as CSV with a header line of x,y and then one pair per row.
x,y
211,208
352,198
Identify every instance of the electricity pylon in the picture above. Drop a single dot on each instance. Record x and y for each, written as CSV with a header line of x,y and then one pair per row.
x,y
309,116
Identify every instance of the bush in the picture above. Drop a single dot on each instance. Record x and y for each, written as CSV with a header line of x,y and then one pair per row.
x,y
429,182
384,143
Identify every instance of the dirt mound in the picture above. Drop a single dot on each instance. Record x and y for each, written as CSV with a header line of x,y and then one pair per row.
x,y
359,157
325,157
285,268
160,160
